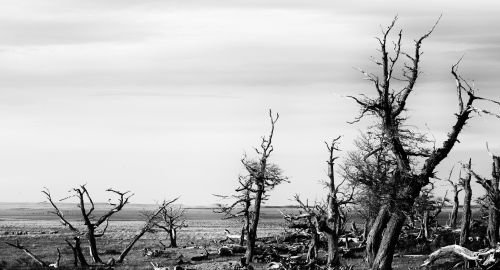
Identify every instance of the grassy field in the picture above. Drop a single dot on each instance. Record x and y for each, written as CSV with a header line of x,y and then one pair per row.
x,y
38,230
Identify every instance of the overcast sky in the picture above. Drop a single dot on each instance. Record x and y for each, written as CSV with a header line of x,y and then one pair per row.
x,y
164,97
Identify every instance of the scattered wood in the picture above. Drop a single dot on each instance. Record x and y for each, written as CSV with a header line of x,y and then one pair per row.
x,y
483,258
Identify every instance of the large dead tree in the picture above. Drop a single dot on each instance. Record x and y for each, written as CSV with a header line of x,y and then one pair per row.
x,y
388,106
94,227
264,177
492,199
467,213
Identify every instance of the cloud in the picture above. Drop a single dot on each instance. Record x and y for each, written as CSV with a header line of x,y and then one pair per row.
x,y
127,92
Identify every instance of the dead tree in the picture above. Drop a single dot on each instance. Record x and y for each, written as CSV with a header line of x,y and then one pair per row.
x,y
307,221
388,104
427,208
77,252
492,199
148,225
487,260
370,169
171,219
92,225
457,188
264,177
239,208
327,218
467,213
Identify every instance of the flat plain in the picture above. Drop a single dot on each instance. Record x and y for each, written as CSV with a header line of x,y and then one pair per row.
x,y
37,229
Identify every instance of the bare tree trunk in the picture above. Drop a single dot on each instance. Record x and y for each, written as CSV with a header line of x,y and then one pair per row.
x,y
131,244
252,232
93,245
383,260
77,252
333,255
375,235
172,233
492,230
312,252
242,237
466,217
454,211
425,225
493,215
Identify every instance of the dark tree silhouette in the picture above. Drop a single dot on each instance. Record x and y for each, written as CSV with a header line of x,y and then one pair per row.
x,y
93,225
388,106
264,176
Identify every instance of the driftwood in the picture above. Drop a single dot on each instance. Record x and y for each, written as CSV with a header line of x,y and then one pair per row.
x,y
486,259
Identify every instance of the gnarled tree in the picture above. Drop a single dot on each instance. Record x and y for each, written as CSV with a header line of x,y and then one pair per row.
x,y
388,106
264,176
492,199
171,219
370,168
94,227
327,218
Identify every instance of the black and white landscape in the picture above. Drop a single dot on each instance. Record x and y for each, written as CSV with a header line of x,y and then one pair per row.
x,y
249,134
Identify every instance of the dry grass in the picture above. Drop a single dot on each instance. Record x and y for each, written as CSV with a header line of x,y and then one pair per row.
x,y
42,235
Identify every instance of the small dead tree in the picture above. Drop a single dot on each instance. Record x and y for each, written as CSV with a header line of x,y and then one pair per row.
x,y
264,177
171,219
92,225
327,218
467,213
492,198
427,208
239,208
457,188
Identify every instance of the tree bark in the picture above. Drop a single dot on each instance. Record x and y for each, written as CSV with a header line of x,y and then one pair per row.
x,y
313,246
173,238
333,259
252,232
493,215
93,244
425,225
466,217
383,260
492,230
375,235
79,253
454,211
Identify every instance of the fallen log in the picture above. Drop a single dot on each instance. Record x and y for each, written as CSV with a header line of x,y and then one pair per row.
x,y
484,258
